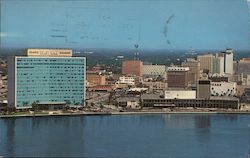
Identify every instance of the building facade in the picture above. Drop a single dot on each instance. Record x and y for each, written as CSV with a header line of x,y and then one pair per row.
x,y
206,62
49,78
223,88
177,77
3,89
154,70
194,67
180,94
95,79
218,64
155,85
132,67
228,60
203,89
242,67
127,80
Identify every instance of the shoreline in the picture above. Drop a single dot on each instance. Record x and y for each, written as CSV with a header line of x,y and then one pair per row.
x,y
125,113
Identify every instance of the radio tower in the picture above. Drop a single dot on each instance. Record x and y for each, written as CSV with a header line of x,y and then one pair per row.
x,y
136,55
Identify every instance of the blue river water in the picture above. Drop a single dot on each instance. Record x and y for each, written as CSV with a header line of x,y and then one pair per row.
x,y
150,135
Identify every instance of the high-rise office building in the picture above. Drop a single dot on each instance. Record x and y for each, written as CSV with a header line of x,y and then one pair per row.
x,y
228,61
218,64
194,67
206,62
132,67
177,77
46,76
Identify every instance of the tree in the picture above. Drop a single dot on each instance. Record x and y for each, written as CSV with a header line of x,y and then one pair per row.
x,y
35,106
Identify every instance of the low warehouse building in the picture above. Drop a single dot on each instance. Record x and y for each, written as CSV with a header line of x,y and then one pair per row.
x,y
149,100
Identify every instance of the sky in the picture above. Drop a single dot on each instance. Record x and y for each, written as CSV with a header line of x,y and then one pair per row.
x,y
120,24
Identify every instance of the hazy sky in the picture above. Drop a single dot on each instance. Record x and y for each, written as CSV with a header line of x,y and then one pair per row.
x,y
158,24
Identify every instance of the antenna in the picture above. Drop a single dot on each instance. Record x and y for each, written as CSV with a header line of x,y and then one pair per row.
x,y
136,54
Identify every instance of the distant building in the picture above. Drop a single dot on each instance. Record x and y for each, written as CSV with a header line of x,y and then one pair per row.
x,y
228,60
3,89
96,79
218,64
217,78
203,89
242,67
177,77
180,94
206,62
248,80
154,70
128,80
194,67
155,86
132,67
46,77
238,78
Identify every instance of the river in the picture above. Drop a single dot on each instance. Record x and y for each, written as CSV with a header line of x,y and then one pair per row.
x,y
148,135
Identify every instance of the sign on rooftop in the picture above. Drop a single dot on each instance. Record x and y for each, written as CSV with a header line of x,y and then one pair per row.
x,y
49,52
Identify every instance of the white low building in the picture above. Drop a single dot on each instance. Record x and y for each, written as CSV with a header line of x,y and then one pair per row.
x,y
127,80
180,94
223,88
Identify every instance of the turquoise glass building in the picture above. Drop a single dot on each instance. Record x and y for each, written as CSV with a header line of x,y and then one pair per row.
x,y
46,80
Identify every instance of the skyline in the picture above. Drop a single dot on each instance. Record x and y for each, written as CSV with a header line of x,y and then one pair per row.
x,y
121,24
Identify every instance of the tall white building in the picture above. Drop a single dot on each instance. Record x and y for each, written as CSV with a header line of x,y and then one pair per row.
x,y
218,64
228,66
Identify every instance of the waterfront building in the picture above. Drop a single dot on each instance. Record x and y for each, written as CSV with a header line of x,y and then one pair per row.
x,y
3,88
194,67
46,77
154,70
180,94
228,61
132,67
128,102
203,89
153,100
177,77
206,62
